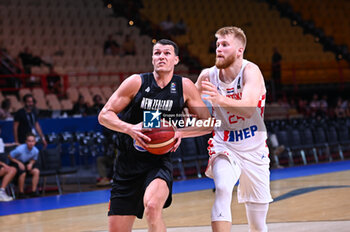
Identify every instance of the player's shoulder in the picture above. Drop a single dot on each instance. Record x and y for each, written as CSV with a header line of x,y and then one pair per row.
x,y
187,82
134,79
205,72
251,67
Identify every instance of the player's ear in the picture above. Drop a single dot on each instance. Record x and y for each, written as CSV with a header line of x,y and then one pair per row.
x,y
240,51
177,60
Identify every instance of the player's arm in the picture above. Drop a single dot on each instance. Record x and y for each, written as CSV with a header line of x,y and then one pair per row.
x,y
197,108
116,103
253,83
204,75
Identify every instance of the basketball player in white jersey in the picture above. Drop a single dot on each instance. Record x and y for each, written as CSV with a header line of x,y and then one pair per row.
x,y
238,151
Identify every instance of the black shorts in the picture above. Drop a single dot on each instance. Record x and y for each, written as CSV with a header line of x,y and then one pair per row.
x,y
20,171
128,192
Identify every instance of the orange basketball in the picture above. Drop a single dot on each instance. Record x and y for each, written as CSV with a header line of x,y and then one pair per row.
x,y
162,139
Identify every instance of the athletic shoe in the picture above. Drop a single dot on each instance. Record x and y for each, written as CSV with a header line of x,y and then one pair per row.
x,y
5,197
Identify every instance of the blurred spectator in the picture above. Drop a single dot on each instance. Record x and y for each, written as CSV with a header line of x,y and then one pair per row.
x,y
5,109
97,106
24,158
275,149
324,105
54,82
129,46
26,121
303,106
167,26
105,162
347,109
8,66
340,111
276,72
6,172
314,106
28,60
180,27
111,47
81,107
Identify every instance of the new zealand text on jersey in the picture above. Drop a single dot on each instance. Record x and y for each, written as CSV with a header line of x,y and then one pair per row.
x,y
156,104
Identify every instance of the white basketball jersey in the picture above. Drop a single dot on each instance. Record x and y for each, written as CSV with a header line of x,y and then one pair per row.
x,y
241,135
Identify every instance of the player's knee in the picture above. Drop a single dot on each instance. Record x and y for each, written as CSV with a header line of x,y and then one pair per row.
x,y
221,189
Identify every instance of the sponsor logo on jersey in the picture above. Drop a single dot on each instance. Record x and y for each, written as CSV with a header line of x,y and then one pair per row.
x,y
239,135
173,87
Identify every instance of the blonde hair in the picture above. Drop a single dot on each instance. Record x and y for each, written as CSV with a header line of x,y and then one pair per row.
x,y
235,31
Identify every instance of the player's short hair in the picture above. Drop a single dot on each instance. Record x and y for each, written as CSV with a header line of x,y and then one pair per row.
x,y
235,31
168,42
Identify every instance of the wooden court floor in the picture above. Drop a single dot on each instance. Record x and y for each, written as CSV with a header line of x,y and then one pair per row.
x,y
311,203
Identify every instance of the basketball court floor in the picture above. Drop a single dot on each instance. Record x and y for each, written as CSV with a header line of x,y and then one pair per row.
x,y
306,198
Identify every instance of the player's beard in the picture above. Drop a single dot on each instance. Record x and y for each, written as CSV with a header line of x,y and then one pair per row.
x,y
225,63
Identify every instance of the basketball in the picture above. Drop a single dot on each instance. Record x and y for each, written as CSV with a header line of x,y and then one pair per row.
x,y
162,139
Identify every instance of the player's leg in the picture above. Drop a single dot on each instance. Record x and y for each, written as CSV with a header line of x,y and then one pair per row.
x,y
120,223
256,215
225,176
254,191
155,197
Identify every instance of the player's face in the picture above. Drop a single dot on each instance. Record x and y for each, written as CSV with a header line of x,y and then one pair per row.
x,y
164,58
225,51
30,142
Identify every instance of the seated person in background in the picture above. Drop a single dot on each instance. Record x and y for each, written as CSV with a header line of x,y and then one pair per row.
x,y
167,25
111,47
54,82
28,60
129,46
5,109
6,172
97,106
275,148
105,162
24,158
80,107
180,27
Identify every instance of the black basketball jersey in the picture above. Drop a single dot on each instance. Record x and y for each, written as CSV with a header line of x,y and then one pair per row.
x,y
150,97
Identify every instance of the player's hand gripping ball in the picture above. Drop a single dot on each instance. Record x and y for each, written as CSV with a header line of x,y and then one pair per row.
x,y
162,139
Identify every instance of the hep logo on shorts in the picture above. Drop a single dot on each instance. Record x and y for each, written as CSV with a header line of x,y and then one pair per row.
x,y
151,119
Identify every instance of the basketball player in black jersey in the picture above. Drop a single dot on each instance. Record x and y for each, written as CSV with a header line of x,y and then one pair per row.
x,y
142,181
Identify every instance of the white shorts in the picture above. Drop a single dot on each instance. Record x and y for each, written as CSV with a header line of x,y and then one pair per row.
x,y
254,178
